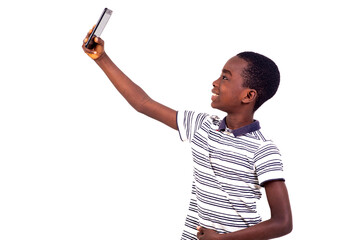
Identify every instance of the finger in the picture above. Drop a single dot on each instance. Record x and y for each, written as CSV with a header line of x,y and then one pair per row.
x,y
87,36
88,51
92,29
99,41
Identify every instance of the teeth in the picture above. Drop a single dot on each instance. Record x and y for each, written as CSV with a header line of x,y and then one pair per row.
x,y
214,94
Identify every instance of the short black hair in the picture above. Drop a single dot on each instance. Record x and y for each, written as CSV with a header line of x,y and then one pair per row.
x,y
261,74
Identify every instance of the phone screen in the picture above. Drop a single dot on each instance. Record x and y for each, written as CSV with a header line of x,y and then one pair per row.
x,y
100,26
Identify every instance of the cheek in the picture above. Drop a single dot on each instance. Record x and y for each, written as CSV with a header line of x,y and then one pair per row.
x,y
234,95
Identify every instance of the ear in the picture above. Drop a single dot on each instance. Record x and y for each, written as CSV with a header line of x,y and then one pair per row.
x,y
251,96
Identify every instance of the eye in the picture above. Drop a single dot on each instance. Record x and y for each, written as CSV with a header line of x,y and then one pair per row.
x,y
224,77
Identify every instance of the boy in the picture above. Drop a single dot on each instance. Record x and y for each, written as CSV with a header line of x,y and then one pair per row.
x,y
232,157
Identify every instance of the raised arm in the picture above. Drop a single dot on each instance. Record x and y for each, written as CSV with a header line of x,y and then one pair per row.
x,y
134,95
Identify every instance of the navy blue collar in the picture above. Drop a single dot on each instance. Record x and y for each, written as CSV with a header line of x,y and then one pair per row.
x,y
254,126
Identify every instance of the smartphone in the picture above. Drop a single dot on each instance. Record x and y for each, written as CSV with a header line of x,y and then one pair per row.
x,y
100,26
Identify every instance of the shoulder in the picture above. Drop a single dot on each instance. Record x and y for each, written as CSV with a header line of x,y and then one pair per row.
x,y
261,137
190,122
262,141
198,117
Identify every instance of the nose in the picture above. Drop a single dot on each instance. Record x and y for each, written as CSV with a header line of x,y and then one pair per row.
x,y
216,83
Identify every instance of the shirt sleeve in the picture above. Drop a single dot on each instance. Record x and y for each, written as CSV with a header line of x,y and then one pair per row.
x,y
188,123
268,163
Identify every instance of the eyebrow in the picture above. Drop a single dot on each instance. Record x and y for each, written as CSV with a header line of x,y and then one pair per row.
x,y
226,71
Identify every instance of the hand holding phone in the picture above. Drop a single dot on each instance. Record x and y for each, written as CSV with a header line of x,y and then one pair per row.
x,y
99,27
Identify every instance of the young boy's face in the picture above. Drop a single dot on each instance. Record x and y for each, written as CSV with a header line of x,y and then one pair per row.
x,y
228,90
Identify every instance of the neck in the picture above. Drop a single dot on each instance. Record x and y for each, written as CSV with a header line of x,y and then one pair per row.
x,y
234,121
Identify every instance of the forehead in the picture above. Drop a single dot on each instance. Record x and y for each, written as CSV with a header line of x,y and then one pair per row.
x,y
235,65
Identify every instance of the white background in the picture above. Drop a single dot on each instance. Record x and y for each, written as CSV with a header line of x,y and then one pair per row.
x,y
76,162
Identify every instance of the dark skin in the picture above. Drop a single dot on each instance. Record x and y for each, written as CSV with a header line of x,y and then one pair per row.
x,y
237,101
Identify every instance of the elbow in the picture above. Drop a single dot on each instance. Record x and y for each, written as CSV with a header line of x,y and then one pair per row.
x,y
139,108
282,226
142,106
285,226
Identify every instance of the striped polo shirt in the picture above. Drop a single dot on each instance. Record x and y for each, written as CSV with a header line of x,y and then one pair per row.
x,y
229,169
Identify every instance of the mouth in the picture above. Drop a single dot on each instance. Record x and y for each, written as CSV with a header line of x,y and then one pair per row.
x,y
214,96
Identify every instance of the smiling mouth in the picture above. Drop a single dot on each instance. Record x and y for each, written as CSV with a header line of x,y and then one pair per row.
x,y
214,96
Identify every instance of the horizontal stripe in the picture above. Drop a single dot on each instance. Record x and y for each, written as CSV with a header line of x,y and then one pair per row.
x,y
227,173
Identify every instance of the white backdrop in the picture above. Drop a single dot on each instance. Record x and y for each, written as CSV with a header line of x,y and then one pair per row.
x,y
76,162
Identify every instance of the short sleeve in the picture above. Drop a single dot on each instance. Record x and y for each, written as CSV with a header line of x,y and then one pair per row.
x,y
268,163
188,123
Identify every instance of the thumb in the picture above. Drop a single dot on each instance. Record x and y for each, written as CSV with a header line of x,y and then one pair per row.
x,y
200,232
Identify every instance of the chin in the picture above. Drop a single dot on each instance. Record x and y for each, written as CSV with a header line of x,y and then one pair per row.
x,y
215,107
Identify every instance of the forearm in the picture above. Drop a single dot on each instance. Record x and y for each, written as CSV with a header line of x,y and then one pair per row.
x,y
269,229
134,95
